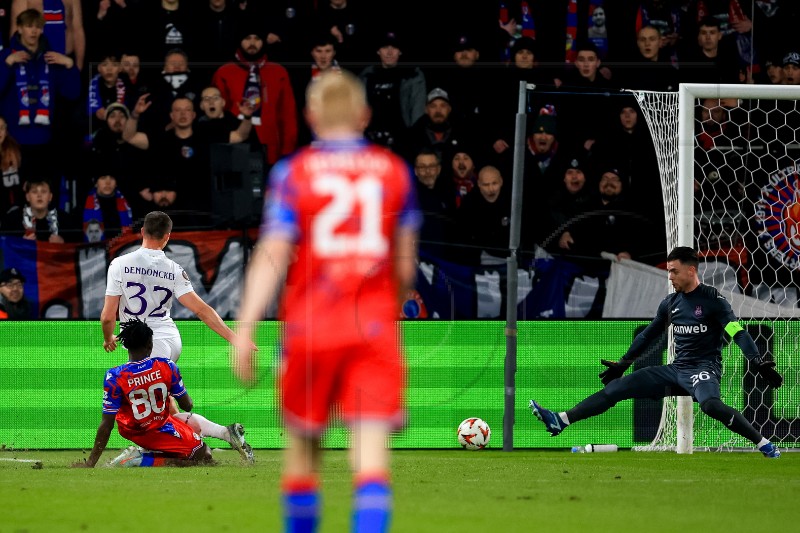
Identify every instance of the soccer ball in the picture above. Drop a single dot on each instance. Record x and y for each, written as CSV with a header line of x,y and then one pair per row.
x,y
474,434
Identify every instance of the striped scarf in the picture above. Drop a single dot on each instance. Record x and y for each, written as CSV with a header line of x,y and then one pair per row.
x,y
29,221
95,100
33,86
93,213
252,86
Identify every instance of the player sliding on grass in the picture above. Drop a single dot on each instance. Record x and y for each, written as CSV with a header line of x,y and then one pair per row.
x,y
136,396
698,315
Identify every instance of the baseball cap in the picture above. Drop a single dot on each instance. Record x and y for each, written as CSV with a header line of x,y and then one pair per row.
x,y
792,58
389,39
11,273
464,42
116,106
438,93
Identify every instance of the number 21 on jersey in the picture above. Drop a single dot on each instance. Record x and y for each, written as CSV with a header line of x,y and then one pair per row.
x,y
361,199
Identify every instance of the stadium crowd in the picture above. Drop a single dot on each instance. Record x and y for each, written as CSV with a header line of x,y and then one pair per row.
x,y
112,108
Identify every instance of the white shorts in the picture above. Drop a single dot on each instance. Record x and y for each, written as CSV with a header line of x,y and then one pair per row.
x,y
168,347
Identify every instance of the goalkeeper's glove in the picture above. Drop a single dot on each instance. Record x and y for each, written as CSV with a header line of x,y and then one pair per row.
x,y
615,370
768,372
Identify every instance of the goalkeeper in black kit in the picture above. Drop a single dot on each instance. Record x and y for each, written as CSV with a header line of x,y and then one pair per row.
x,y
698,315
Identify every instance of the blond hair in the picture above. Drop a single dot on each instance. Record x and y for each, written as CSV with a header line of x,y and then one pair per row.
x,y
337,100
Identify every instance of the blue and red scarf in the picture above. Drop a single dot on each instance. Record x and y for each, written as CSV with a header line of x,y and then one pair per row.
x,y
95,100
32,80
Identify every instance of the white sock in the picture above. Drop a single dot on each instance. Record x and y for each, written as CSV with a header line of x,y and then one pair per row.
x,y
204,427
563,416
762,443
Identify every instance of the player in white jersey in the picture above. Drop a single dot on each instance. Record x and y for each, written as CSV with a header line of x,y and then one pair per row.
x,y
143,284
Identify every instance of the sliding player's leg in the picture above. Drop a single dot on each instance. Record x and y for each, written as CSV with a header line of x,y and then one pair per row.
x,y
233,434
707,394
650,382
173,444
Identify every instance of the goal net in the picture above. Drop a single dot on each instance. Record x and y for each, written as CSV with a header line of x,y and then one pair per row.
x,y
729,157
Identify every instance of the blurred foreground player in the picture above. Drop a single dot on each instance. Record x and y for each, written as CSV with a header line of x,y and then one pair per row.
x,y
341,226
136,395
698,315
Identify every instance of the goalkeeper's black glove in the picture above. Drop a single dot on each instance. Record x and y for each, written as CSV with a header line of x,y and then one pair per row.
x,y
615,370
768,372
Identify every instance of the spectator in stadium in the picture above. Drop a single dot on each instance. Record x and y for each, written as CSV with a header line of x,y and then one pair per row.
x,y
564,205
287,24
608,223
10,160
396,93
628,145
719,154
435,129
171,440
63,28
791,68
182,151
649,69
109,146
266,85
711,58
352,350
114,21
106,205
176,80
437,205
348,23
502,100
31,76
215,22
323,59
162,26
700,319
219,125
774,70
584,107
484,218
543,158
12,296
37,219
463,81
110,85
131,65
464,174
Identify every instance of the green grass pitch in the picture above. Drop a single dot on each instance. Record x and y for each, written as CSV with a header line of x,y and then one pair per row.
x,y
435,491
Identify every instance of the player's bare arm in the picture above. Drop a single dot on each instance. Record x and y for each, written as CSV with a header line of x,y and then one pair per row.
x,y
185,402
100,442
108,319
265,273
208,315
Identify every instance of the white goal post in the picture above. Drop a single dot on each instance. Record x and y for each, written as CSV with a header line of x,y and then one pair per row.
x,y
748,145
